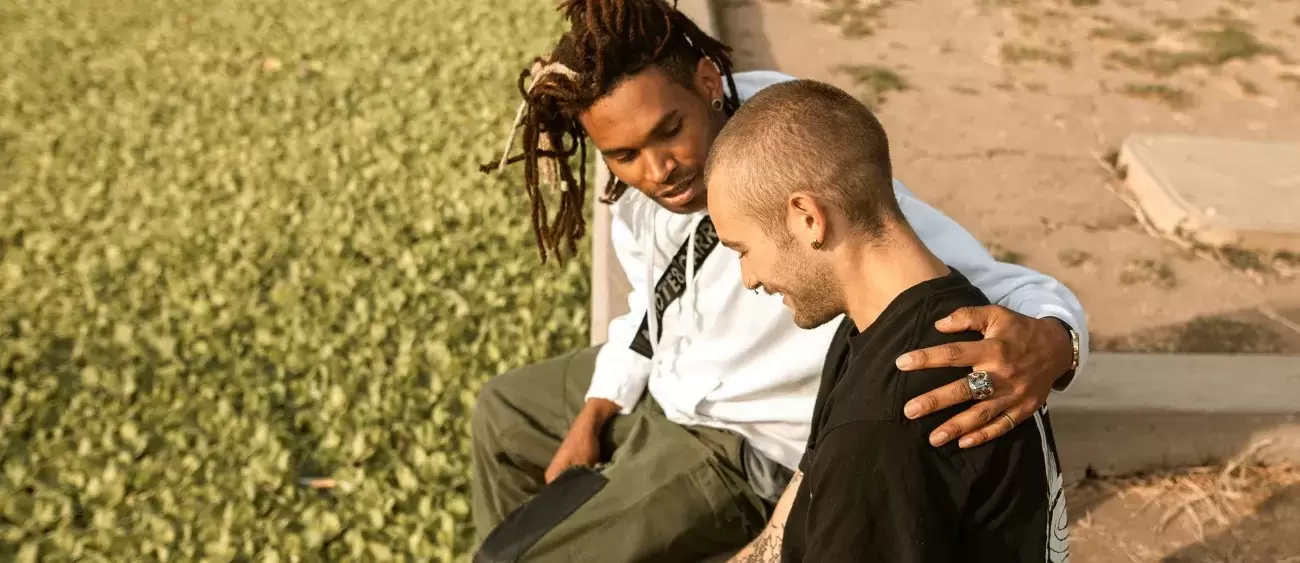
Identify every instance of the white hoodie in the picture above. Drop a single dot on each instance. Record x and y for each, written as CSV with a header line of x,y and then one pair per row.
x,y
731,359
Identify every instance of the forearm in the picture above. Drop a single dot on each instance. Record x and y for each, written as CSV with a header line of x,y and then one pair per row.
x,y
1015,287
594,415
766,548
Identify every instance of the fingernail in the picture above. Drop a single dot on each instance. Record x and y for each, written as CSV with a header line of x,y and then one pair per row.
x,y
966,442
938,438
943,322
910,410
904,362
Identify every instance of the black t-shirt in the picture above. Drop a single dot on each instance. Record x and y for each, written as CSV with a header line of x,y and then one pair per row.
x,y
875,490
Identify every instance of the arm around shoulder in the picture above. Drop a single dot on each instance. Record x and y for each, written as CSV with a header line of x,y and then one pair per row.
x,y
1013,286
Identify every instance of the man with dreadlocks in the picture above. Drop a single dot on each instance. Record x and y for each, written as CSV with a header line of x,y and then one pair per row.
x,y
695,466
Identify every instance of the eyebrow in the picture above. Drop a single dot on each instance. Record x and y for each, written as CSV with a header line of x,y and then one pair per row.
x,y
659,127
731,244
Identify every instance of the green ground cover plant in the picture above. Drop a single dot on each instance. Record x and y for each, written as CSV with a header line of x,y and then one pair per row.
x,y
245,243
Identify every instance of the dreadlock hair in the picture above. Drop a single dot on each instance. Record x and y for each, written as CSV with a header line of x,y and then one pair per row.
x,y
608,41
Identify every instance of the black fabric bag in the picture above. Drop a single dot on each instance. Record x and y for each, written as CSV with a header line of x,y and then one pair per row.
x,y
527,524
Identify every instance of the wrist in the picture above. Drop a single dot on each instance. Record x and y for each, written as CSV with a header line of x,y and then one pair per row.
x,y
594,414
1067,347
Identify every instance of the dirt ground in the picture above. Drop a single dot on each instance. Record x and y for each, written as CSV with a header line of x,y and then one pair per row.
x,y
1205,515
1001,112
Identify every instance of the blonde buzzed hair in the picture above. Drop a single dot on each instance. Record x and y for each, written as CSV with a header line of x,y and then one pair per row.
x,y
805,135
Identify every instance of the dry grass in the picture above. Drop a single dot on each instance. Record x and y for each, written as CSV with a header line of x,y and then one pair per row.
x,y
1203,498
855,18
1172,96
1156,273
1218,40
1004,254
1014,53
1123,32
1073,258
874,83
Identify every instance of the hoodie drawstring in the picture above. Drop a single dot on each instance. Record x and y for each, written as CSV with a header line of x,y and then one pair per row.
x,y
689,297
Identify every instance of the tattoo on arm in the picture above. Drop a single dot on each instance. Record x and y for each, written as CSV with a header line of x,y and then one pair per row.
x,y
766,548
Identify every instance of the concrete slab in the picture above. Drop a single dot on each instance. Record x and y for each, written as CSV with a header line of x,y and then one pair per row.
x,y
1143,412
1218,192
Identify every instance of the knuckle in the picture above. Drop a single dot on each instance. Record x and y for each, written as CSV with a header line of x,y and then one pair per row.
x,y
919,357
929,402
984,414
1009,370
961,391
999,348
952,351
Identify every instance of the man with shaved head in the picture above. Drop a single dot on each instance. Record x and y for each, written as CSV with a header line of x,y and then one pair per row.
x,y
800,185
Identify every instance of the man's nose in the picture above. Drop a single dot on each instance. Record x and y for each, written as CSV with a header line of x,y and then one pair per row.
x,y
661,167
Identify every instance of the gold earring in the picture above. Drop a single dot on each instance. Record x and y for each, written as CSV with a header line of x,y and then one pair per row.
x,y
817,245
717,104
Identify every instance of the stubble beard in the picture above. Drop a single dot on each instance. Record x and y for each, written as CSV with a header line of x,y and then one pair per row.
x,y
813,292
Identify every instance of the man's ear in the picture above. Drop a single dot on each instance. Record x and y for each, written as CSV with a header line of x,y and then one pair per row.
x,y
708,81
805,218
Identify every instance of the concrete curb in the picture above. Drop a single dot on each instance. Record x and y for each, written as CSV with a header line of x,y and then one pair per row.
x,y
1127,413
1132,413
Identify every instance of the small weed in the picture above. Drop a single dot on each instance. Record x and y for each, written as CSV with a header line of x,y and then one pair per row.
x,y
1014,54
1073,258
1248,87
1158,274
1242,259
1171,96
1126,33
874,83
1028,19
1226,39
1174,24
1004,254
856,19
1084,3
1232,41
1201,335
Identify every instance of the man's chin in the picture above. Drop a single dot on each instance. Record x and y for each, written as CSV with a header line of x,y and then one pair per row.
x,y
807,321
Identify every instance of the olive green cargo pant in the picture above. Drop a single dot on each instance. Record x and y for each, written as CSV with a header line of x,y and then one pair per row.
x,y
674,493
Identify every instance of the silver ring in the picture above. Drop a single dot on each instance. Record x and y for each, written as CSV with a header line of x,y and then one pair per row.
x,y
980,386
1011,422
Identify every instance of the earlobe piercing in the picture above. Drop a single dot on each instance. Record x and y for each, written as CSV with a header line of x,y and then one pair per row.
x,y
817,245
717,104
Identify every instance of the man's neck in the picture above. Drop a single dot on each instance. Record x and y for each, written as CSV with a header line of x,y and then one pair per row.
x,y
878,271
